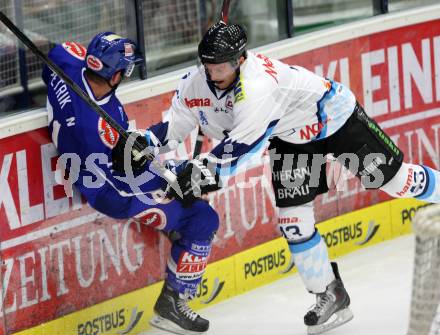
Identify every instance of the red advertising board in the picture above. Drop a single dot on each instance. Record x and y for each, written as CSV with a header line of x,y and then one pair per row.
x,y
395,75
59,256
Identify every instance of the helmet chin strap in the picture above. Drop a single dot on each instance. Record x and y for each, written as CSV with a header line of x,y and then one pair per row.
x,y
111,87
114,87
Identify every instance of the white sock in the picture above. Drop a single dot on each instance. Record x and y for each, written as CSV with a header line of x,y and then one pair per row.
x,y
311,260
415,181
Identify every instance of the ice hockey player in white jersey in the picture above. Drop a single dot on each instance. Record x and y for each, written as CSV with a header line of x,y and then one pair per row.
x,y
246,100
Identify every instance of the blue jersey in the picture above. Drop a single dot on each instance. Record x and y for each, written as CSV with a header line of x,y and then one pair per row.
x,y
77,129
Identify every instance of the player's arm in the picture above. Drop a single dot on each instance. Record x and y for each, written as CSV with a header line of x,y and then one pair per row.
x,y
177,124
255,122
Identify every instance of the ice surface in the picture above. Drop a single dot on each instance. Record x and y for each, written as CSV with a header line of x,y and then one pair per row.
x,y
378,279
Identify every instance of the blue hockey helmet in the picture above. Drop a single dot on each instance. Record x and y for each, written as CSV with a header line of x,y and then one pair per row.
x,y
109,53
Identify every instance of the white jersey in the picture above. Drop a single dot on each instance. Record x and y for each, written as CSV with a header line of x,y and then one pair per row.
x,y
269,99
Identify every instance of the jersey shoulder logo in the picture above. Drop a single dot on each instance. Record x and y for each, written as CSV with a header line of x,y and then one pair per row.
x,y
75,49
107,134
239,93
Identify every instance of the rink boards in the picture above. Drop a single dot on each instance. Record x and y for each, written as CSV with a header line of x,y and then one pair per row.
x,y
239,273
62,261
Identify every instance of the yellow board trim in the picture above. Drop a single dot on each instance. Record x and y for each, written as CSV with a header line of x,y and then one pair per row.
x,y
239,273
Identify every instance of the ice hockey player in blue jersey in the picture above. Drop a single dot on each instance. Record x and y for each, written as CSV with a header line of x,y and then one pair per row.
x,y
96,159
245,100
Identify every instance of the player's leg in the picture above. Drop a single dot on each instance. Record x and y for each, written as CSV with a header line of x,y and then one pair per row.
x,y
191,231
296,183
380,162
185,267
415,181
309,252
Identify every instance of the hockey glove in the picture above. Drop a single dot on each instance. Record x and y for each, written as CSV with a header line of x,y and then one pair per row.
x,y
197,179
138,159
176,166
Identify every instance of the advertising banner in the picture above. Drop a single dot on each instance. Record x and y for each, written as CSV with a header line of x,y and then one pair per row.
x,y
244,271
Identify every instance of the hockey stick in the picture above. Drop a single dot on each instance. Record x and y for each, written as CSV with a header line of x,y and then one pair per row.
x,y
225,11
199,141
169,176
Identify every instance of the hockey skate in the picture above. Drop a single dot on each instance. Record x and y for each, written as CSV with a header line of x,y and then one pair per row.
x,y
331,309
173,314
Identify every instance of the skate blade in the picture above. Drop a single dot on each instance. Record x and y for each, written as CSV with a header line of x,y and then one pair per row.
x,y
169,326
337,319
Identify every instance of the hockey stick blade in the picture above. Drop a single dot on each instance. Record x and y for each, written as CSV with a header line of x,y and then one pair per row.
x,y
161,170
